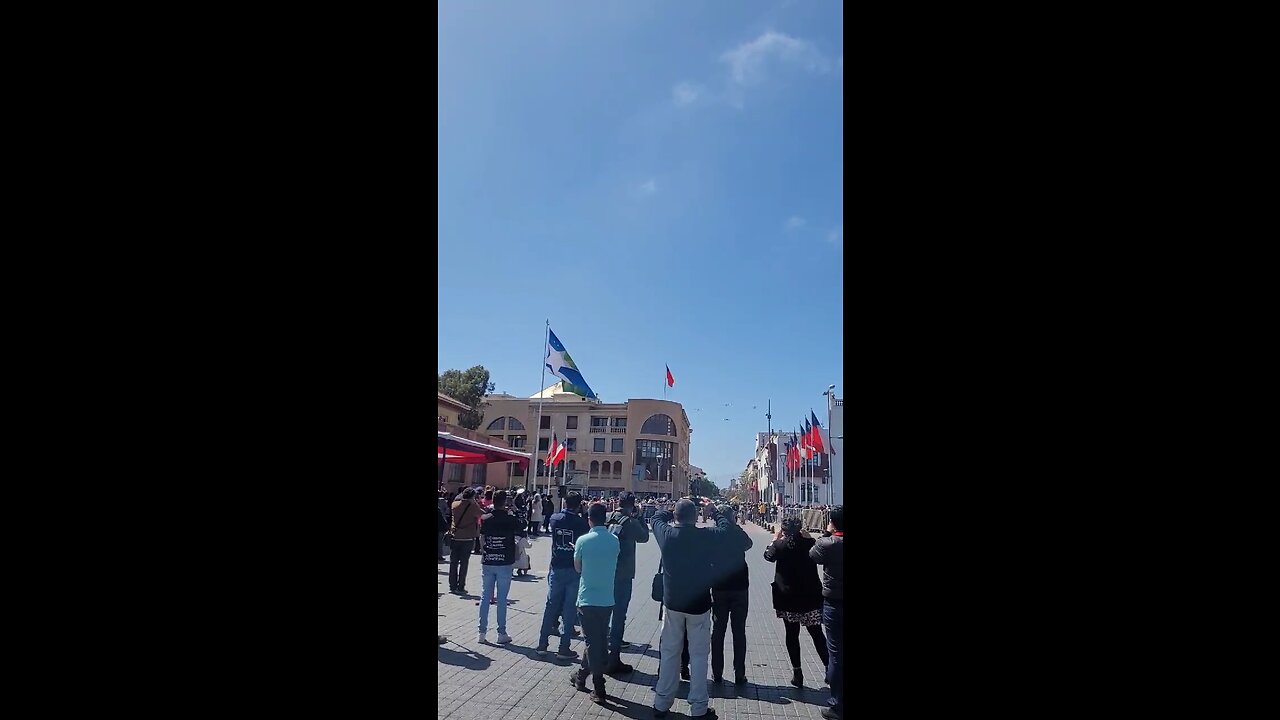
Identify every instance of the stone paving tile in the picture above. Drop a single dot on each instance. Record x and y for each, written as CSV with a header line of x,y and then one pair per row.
x,y
512,683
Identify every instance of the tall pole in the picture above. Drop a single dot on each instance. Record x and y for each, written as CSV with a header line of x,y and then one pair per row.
x,y
537,422
831,446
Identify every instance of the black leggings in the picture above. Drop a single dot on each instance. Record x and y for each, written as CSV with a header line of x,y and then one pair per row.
x,y
793,642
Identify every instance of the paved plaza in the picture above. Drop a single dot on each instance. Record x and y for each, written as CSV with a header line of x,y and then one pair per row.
x,y
510,682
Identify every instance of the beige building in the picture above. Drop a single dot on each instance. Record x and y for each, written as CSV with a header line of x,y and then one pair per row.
x,y
453,477
638,445
447,409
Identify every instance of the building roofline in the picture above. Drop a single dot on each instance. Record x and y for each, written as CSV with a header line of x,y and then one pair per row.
x,y
451,401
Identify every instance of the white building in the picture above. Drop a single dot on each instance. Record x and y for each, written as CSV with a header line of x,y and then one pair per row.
x,y
838,445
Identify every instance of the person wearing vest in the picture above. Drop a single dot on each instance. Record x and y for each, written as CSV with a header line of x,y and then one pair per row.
x,y
465,514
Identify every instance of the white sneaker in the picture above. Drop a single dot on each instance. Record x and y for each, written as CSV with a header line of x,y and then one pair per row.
x,y
503,638
481,639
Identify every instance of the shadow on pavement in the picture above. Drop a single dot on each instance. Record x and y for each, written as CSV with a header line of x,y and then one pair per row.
x,y
469,660
629,709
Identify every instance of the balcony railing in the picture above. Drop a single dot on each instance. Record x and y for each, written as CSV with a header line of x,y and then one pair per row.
x,y
620,430
598,429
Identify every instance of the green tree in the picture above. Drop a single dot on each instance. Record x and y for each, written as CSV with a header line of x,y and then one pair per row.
x,y
469,387
700,486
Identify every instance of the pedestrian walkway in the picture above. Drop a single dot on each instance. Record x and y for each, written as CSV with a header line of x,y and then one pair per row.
x,y
510,682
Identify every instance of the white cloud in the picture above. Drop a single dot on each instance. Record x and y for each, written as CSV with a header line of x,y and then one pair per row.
x,y
686,93
650,187
747,61
795,223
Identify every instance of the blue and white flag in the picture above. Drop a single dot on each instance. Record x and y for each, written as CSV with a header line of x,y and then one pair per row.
x,y
562,366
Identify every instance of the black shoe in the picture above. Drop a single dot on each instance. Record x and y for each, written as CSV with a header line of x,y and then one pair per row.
x,y
659,713
624,644
579,684
830,714
797,678
740,680
618,668
598,698
716,680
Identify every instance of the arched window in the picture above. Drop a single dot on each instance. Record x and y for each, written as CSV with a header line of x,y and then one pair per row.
x,y
617,468
499,424
514,424
658,425
595,467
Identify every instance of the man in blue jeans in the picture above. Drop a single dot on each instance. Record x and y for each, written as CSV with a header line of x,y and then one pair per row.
x,y
828,552
498,531
562,581
626,525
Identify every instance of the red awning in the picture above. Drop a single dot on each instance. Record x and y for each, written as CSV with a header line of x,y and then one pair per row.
x,y
451,448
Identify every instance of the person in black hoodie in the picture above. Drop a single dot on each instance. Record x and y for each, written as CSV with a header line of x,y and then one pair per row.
x,y
729,590
829,553
548,509
498,530
797,592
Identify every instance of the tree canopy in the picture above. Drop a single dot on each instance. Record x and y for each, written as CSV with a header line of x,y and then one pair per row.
x,y
468,387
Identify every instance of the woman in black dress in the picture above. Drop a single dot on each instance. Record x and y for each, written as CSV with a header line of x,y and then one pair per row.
x,y
797,591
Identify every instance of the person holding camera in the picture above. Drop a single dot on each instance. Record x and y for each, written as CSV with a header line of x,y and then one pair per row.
x,y
687,572
626,525
829,553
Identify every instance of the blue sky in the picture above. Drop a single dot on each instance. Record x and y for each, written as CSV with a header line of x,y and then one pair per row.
x,y
663,181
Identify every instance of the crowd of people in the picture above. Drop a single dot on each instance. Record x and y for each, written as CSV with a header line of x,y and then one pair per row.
x,y
703,584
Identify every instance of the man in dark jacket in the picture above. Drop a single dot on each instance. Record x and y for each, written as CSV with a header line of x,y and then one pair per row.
x,y
829,553
686,592
548,509
498,531
626,524
729,590
562,580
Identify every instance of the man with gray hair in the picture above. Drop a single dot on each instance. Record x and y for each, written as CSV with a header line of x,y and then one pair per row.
x,y
687,571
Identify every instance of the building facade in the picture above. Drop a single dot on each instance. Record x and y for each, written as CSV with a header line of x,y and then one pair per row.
x,y
454,477
639,445
838,445
808,485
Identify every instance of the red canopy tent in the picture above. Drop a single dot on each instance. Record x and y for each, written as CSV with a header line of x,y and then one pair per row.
x,y
452,448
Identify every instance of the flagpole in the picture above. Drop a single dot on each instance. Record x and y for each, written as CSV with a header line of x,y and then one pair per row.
x,y
537,422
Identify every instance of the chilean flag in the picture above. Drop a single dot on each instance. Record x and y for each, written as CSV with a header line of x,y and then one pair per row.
x,y
817,433
671,381
556,452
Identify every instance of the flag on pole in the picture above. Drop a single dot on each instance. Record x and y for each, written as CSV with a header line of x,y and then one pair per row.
x,y
560,364
671,381
556,452
817,433
805,448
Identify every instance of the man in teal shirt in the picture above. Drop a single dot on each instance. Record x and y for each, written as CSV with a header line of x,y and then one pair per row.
x,y
595,557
